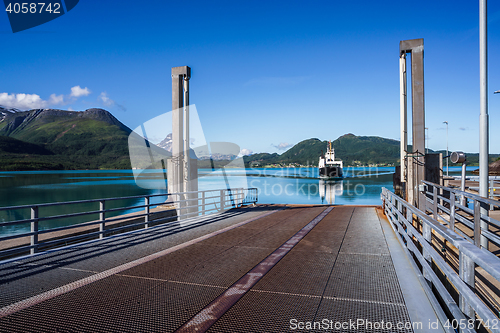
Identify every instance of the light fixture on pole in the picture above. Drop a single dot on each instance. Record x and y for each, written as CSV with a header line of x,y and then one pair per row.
x,y
445,122
496,92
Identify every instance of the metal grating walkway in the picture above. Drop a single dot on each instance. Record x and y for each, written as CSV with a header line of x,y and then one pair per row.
x,y
337,269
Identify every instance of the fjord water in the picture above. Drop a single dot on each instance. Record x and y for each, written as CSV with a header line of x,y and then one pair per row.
x,y
361,186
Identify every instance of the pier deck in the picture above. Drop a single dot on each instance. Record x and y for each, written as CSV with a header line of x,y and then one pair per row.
x,y
262,269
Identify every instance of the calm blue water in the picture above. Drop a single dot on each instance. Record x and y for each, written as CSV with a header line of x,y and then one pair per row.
x,y
361,186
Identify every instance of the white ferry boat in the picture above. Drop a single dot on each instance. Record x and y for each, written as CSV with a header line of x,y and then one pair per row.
x,y
328,167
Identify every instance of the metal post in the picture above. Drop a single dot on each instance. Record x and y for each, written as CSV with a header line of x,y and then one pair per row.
x,y
447,153
177,140
187,155
435,202
222,199
483,117
409,218
102,218
394,206
484,225
146,218
403,114
398,203
179,125
462,185
491,192
483,89
179,203
34,228
427,233
177,128
452,211
416,47
466,272
477,223
418,110
480,240
410,180
203,203
422,199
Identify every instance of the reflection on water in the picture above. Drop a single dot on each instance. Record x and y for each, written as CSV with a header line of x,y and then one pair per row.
x,y
362,191
329,189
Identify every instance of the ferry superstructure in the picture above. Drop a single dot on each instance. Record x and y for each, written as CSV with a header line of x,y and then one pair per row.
x,y
329,168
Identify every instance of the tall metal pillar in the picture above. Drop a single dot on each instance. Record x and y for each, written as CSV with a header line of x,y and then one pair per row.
x,y
178,74
416,48
187,157
483,115
180,164
403,121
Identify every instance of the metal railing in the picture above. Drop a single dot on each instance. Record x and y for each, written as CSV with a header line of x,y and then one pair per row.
x,y
442,202
417,231
188,204
494,191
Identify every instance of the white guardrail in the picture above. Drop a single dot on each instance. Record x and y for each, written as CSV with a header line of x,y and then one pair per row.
x,y
194,204
461,227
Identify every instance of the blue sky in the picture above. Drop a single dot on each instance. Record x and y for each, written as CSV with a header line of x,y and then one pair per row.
x,y
265,74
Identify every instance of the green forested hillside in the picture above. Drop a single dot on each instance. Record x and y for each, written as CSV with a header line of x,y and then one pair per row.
x,y
14,146
351,149
56,139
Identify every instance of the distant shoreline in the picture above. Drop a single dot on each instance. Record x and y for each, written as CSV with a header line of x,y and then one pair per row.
x,y
260,167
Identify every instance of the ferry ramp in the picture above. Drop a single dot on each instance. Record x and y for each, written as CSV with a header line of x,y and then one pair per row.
x,y
268,268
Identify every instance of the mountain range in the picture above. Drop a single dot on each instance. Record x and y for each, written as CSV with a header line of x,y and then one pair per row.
x,y
58,139
50,139
351,149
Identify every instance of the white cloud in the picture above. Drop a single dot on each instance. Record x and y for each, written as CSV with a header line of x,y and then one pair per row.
x,y
104,98
246,152
56,99
283,145
78,91
34,101
22,101
29,101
